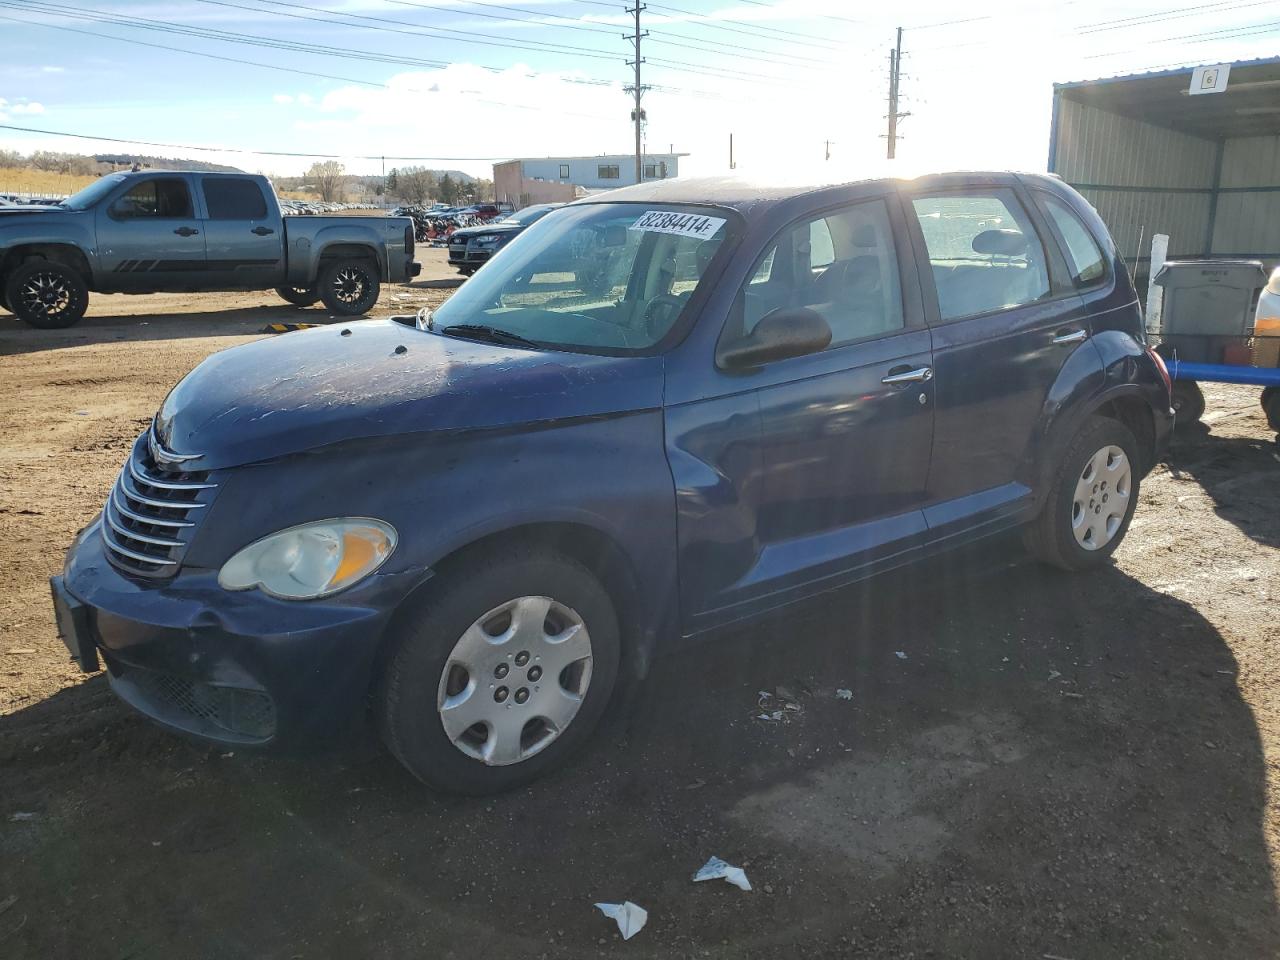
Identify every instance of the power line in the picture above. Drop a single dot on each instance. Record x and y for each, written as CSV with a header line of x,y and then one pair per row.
x,y
260,153
705,22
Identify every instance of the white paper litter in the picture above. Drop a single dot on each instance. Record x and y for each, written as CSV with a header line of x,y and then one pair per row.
x,y
631,918
844,694
717,869
900,654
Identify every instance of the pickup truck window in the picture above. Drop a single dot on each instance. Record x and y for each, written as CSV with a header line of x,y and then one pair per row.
x,y
229,198
162,198
86,198
607,276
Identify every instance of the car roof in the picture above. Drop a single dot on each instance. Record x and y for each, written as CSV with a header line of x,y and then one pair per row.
x,y
746,193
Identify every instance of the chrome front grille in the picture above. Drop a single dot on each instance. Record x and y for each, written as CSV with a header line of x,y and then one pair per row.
x,y
151,514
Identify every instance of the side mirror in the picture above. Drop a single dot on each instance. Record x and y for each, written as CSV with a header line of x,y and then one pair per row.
x,y
781,334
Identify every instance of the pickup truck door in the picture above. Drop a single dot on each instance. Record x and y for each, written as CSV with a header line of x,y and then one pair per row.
x,y
149,237
243,233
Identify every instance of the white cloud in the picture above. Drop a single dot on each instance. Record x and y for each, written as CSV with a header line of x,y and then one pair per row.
x,y
283,98
52,69
31,108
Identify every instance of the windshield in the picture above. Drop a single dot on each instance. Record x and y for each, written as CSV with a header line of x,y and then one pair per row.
x,y
93,192
610,276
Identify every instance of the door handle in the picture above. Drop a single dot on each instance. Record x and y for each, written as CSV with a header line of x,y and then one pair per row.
x,y
186,232
908,375
262,231
1071,336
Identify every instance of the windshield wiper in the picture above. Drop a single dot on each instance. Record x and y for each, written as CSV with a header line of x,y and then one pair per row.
x,y
480,331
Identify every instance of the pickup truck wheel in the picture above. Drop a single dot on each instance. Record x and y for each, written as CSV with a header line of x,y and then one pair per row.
x,y
500,673
46,294
299,296
1271,407
1091,500
349,287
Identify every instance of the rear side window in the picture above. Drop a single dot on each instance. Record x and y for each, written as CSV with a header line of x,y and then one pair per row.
x,y
1083,253
983,251
231,199
842,265
161,198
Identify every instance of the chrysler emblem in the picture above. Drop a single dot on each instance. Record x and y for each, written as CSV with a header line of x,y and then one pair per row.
x,y
164,457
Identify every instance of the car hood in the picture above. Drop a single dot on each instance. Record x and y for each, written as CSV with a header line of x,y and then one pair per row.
x,y
380,378
492,228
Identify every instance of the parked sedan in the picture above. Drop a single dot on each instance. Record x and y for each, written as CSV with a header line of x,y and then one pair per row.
x,y
471,247
674,407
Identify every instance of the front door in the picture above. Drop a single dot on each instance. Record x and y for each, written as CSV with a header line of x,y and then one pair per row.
x,y
846,433
813,469
244,240
1006,321
149,237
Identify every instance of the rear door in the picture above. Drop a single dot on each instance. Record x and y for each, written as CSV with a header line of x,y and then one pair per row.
x,y
244,236
1005,319
149,237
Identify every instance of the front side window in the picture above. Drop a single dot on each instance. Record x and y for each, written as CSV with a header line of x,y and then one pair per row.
x,y
842,265
232,199
162,198
1083,253
983,251
607,171
608,276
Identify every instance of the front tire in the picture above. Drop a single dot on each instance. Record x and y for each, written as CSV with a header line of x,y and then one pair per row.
x,y
1091,499
47,294
298,296
349,287
501,673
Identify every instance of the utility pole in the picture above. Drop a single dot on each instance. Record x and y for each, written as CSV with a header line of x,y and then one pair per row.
x,y
895,76
827,155
637,114
732,165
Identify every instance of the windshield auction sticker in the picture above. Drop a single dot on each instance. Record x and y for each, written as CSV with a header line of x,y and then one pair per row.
x,y
680,224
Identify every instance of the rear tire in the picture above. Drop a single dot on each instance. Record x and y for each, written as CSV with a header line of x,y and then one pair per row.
x,y
47,294
448,654
1188,403
299,296
349,287
1090,500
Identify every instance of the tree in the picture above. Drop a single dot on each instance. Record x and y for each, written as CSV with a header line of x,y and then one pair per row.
x,y
416,184
448,191
329,179
393,182
11,158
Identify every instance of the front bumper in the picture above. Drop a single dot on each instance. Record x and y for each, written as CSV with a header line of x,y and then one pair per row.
x,y
232,668
470,257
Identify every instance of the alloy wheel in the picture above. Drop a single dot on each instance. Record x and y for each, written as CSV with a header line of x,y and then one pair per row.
x,y
515,680
350,285
48,294
1101,498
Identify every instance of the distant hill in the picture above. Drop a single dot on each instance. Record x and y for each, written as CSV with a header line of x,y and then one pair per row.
x,y
125,160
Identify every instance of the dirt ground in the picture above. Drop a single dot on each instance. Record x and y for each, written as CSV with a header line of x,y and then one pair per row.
x,y
1031,765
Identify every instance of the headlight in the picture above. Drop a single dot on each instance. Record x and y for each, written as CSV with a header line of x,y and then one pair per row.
x,y
311,560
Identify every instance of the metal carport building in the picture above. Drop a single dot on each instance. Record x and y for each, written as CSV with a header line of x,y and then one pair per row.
x,y
1152,158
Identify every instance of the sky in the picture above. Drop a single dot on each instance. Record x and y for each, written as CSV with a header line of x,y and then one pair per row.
x,y
461,83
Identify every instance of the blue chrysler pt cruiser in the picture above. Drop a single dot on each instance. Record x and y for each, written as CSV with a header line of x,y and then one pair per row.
x,y
655,412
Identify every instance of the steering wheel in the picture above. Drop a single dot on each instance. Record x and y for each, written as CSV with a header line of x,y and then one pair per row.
x,y
661,313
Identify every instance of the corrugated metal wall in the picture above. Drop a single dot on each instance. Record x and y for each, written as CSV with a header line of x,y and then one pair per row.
x,y
1168,176
1248,221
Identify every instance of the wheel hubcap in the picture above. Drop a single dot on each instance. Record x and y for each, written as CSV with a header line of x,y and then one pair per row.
x,y
1101,498
515,680
45,293
349,285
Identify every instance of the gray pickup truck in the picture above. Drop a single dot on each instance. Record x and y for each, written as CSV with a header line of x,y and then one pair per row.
x,y
164,231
